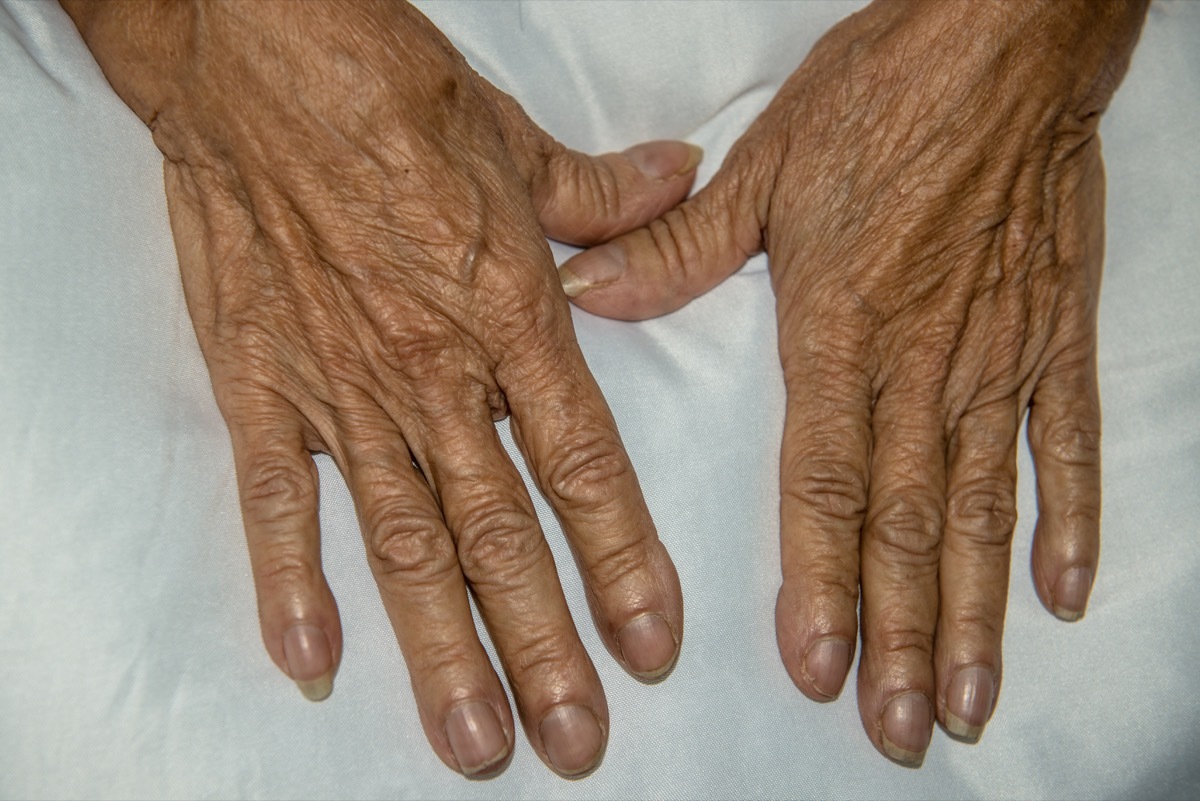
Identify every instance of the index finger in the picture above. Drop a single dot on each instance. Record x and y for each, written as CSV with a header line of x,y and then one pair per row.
x,y
823,499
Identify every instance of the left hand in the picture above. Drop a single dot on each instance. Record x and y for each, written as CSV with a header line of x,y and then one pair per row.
x,y
929,189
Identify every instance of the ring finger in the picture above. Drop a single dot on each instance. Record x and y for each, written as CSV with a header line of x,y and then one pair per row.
x,y
461,701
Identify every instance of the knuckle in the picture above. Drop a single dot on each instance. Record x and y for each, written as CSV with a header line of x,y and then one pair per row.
x,y
907,526
584,473
405,542
835,492
497,541
829,581
674,242
983,510
589,188
902,642
1080,513
975,621
615,564
538,659
273,489
419,348
282,567
1069,441
447,659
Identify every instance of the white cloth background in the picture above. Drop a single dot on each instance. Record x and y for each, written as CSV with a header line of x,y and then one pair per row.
x,y
130,660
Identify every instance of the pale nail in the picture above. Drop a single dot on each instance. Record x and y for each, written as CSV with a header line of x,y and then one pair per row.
x,y
907,724
969,702
662,160
476,737
572,738
309,661
1071,593
592,268
826,664
648,646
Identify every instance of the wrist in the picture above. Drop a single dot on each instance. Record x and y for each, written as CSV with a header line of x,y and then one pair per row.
x,y
1071,52
140,46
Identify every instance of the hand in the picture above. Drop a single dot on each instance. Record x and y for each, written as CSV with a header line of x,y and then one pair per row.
x,y
928,187
357,220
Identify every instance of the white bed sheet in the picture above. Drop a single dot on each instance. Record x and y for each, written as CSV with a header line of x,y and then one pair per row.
x,y
130,659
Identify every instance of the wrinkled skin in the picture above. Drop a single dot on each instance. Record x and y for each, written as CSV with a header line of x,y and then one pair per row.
x,y
360,222
929,189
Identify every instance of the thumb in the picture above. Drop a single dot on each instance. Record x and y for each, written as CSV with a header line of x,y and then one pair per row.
x,y
677,257
582,199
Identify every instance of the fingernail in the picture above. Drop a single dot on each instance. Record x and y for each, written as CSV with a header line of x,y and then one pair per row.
x,y
592,268
826,664
907,724
1071,593
476,737
663,160
572,738
309,661
648,646
969,702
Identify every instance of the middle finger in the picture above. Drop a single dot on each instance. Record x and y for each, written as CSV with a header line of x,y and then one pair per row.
x,y
901,544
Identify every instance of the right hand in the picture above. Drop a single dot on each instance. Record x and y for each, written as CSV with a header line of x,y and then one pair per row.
x,y
359,220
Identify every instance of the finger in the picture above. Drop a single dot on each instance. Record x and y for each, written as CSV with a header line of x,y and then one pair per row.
x,y
900,550
582,199
1064,438
823,490
277,480
980,515
585,200
511,571
461,701
277,484
569,439
679,256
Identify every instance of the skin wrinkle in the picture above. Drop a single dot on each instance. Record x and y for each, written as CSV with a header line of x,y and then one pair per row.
x,y
613,568
935,231
1015,65
364,267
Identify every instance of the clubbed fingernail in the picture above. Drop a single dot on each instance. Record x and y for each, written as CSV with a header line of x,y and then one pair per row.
x,y
907,724
1071,593
592,268
826,664
572,738
969,702
309,660
648,646
476,737
662,160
